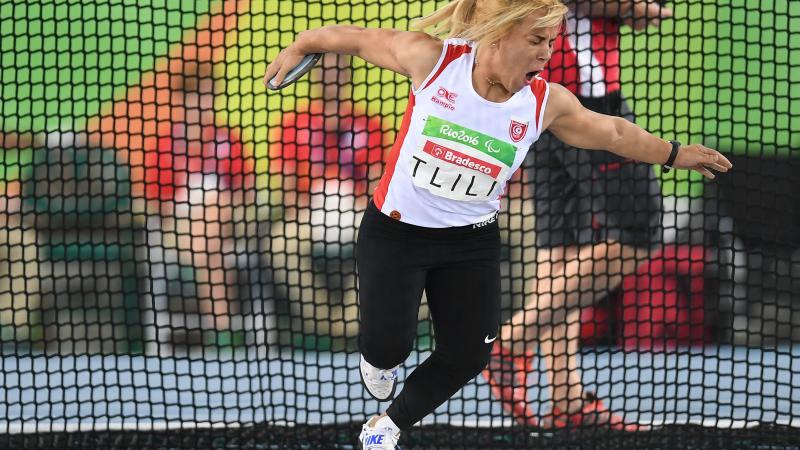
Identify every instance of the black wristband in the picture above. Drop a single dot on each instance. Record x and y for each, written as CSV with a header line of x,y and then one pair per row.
x,y
672,155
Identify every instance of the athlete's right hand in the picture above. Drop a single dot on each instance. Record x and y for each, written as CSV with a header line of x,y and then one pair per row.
x,y
287,59
702,159
642,14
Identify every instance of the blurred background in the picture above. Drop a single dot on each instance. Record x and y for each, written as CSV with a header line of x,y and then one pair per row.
x,y
99,214
157,201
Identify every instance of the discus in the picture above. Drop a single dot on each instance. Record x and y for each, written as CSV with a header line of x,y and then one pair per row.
x,y
297,71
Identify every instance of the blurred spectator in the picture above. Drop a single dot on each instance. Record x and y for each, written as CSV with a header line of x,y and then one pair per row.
x,y
19,268
597,217
325,158
198,179
189,174
330,144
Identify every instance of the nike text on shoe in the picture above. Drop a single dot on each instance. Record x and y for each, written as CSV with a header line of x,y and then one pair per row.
x,y
380,383
378,437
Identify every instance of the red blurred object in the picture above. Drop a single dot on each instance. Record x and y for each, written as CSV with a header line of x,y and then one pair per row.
x,y
179,162
661,306
596,321
313,146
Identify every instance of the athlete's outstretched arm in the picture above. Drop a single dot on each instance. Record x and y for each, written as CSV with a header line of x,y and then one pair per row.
x,y
579,127
413,54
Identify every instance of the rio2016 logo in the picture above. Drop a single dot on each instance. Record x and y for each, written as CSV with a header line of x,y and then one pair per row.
x,y
459,135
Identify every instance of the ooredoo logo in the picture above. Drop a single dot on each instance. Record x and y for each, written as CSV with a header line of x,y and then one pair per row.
x,y
447,95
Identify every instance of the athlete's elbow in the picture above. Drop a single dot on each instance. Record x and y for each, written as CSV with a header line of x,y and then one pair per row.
x,y
331,39
308,41
616,135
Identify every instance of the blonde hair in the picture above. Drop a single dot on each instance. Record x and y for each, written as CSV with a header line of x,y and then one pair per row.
x,y
488,20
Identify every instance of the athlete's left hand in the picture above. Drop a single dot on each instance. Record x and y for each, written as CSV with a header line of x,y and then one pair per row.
x,y
702,160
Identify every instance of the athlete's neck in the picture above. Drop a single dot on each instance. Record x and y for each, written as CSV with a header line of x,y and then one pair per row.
x,y
484,82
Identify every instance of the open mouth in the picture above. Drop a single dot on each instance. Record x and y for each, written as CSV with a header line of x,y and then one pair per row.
x,y
531,75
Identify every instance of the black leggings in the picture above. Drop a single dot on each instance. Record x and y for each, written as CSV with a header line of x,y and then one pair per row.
x,y
459,269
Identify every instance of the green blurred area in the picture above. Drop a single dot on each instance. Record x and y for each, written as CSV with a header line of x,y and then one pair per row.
x,y
722,74
60,62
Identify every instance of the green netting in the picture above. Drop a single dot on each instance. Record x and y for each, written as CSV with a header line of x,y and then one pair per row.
x,y
177,268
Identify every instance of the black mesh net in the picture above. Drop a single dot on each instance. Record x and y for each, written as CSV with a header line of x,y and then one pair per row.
x,y
177,244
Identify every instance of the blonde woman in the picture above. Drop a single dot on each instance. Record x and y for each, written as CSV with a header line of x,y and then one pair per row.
x,y
476,105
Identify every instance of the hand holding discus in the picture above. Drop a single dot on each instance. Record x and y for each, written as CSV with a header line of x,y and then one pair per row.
x,y
288,68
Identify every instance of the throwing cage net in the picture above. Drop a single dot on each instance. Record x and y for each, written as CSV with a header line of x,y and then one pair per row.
x,y
177,244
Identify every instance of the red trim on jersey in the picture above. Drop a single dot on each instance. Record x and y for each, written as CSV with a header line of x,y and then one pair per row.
x,y
383,186
452,53
539,89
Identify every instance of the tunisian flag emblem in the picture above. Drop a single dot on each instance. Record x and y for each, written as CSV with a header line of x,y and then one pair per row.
x,y
517,130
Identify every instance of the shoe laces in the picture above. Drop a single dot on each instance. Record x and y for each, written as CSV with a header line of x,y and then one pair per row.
x,y
375,374
388,374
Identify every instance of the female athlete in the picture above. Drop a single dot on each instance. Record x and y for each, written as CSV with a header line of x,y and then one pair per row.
x,y
476,106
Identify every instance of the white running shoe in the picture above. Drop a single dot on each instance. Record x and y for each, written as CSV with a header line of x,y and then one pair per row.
x,y
379,383
378,438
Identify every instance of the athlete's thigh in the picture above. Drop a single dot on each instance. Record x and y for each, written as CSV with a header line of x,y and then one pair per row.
x,y
626,195
391,278
561,210
551,261
632,205
464,300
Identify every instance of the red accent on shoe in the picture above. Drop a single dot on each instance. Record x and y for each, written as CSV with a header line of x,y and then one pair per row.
x,y
507,376
593,413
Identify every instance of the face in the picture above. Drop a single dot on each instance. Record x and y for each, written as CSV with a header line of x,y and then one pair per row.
x,y
523,53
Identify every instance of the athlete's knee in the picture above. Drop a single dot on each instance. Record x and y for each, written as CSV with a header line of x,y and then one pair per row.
x,y
386,360
477,360
384,352
468,363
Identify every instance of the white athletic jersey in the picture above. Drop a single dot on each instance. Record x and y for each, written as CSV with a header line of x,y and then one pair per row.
x,y
455,150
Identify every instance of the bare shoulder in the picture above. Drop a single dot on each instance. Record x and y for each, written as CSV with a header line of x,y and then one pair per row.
x,y
560,101
418,52
420,42
559,94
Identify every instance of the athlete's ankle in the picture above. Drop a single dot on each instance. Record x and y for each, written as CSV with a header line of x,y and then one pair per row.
x,y
374,420
383,421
